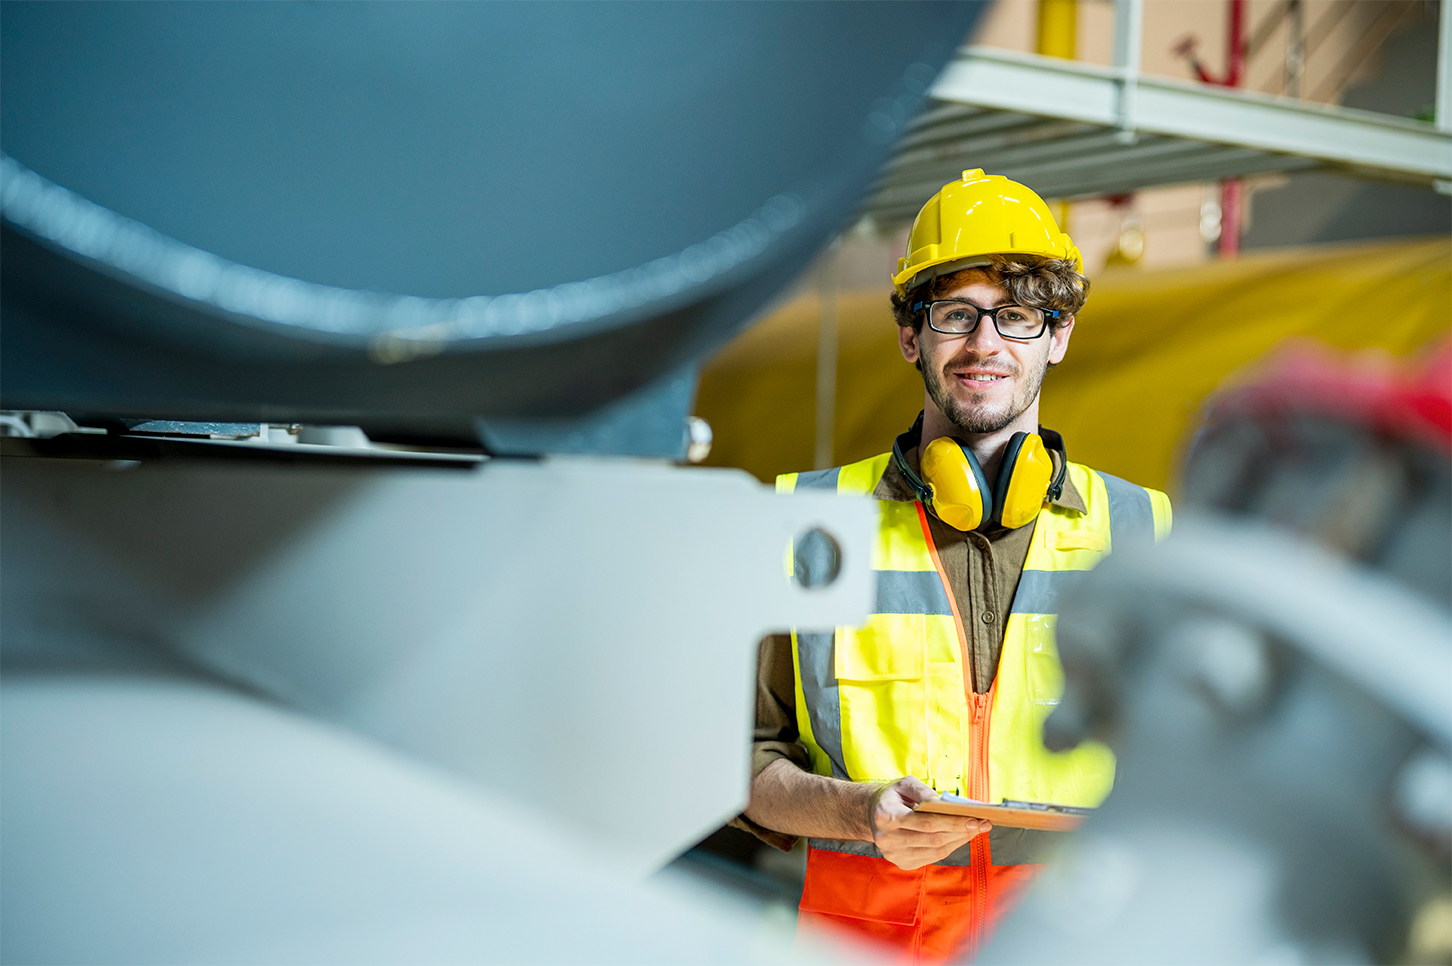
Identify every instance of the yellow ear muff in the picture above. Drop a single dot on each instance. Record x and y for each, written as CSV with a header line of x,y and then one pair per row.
x,y
1024,481
960,492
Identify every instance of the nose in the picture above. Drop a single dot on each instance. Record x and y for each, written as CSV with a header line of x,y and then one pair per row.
x,y
985,338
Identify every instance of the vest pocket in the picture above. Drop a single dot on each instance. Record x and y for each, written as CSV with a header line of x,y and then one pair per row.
x,y
880,668
1091,540
889,647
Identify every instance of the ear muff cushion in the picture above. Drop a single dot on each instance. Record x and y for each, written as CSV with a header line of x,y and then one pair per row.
x,y
1005,469
961,497
1023,480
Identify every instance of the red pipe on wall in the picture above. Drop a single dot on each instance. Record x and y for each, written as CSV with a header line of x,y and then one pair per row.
x,y
1230,196
1235,45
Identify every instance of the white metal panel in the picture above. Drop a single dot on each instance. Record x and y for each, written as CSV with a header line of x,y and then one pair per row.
x,y
582,629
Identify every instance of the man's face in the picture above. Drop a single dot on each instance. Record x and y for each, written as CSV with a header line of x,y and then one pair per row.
x,y
981,381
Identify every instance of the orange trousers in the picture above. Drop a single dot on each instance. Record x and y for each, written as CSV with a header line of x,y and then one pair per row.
x,y
932,914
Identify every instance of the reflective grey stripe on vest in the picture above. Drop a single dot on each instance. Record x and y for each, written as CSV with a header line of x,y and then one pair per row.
x,y
818,479
842,845
1023,846
1007,846
1038,590
819,689
911,592
1131,516
961,857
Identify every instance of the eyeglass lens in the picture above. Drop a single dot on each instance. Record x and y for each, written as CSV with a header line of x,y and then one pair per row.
x,y
1012,321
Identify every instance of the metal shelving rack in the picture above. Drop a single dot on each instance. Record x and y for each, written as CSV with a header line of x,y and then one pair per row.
x,y
1073,130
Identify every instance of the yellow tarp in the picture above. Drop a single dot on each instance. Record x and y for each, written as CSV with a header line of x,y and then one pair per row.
x,y
1146,351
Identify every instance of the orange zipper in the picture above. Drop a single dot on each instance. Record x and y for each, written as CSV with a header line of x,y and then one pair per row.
x,y
982,715
980,709
981,704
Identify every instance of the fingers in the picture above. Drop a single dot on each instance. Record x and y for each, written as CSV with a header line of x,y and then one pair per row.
x,y
930,822
897,800
890,808
910,849
939,843
911,840
921,849
913,791
893,813
949,835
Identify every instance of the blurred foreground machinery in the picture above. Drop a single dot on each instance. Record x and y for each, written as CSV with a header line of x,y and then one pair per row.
x,y
1277,678
282,695
293,696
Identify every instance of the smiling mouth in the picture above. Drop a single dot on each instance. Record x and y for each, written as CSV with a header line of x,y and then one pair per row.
x,y
982,378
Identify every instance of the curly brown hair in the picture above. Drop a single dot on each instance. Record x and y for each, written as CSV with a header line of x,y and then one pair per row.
x,y
1031,280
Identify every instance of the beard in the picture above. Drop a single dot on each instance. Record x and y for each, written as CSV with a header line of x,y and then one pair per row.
x,y
982,418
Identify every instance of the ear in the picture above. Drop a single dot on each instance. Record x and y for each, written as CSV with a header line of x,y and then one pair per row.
x,y
907,341
1059,341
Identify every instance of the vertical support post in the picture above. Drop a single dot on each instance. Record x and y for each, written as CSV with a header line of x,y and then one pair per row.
x,y
1230,188
1128,42
823,450
1295,47
1444,66
1128,35
1058,33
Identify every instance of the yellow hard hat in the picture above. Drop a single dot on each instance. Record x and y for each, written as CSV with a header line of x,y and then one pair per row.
x,y
981,215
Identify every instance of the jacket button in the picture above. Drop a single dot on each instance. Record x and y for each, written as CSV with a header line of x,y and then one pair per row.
x,y
987,617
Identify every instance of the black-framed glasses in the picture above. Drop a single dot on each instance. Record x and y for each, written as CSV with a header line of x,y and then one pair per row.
x,y
961,317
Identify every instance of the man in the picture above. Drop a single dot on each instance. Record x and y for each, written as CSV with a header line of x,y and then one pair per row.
x,y
946,687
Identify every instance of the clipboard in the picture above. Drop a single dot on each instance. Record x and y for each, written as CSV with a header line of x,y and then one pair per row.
x,y
1010,814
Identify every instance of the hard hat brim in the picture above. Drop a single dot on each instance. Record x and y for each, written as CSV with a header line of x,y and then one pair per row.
x,y
923,276
908,281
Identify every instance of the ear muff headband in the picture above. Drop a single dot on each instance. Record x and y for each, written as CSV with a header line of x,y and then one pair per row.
x,y
900,446
1055,443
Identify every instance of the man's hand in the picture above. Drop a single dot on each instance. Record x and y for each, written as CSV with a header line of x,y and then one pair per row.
x,y
787,799
911,840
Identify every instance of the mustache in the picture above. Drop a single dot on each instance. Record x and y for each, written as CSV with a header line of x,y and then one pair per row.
x,y
996,367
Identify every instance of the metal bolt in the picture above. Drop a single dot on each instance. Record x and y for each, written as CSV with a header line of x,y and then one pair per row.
x,y
699,438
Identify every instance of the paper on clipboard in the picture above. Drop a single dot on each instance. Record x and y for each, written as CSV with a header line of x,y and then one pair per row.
x,y
1035,815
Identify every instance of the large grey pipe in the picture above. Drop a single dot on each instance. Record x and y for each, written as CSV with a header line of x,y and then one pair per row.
x,y
524,221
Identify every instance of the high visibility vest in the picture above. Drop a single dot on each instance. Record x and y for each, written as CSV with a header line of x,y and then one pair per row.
x,y
894,697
